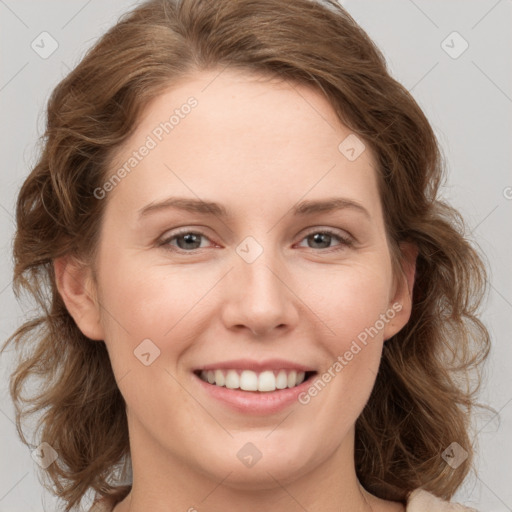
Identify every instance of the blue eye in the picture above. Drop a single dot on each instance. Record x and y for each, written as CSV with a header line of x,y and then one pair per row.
x,y
325,236
186,240
190,241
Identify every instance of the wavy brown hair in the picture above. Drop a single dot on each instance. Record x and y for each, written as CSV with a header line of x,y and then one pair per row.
x,y
430,371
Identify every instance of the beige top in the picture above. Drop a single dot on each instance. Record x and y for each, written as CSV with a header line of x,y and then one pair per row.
x,y
419,501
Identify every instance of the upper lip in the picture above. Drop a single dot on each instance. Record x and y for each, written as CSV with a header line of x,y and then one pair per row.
x,y
256,366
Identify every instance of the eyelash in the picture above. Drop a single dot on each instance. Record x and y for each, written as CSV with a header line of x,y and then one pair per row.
x,y
345,241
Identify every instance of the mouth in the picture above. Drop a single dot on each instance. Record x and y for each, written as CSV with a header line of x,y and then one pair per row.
x,y
251,387
266,381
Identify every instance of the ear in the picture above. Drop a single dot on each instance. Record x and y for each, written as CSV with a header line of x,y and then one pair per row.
x,y
78,291
401,302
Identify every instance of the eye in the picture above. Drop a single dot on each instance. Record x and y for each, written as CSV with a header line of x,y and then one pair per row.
x,y
186,241
189,241
322,239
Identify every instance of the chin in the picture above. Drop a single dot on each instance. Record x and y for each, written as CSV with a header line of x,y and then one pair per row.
x,y
274,464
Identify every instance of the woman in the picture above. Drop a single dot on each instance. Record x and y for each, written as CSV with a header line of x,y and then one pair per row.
x,y
310,349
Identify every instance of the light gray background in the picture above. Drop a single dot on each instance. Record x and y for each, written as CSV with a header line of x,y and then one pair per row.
x,y
468,101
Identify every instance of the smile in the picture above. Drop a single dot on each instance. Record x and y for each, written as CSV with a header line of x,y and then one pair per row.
x,y
254,387
248,380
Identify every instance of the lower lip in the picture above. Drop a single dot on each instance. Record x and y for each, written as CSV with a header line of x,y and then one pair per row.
x,y
254,402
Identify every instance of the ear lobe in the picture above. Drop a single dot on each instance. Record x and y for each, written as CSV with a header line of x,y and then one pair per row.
x,y
403,290
76,287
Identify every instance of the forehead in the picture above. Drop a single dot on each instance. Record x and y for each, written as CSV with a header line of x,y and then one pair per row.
x,y
240,134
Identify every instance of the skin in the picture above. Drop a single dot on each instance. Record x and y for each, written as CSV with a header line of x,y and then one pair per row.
x,y
258,147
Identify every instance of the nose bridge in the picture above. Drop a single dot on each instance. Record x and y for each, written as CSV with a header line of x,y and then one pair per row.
x,y
259,298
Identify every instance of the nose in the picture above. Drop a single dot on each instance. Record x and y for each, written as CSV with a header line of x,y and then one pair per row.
x,y
259,299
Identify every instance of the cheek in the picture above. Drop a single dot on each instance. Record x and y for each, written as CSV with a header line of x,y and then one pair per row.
x,y
149,301
351,305
351,300
140,306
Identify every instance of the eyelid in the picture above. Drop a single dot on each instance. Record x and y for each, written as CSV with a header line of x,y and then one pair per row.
x,y
342,233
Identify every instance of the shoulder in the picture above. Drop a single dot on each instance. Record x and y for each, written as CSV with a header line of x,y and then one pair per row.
x,y
102,505
107,503
422,501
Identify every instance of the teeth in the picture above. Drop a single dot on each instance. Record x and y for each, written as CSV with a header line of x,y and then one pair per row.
x,y
248,380
218,378
282,380
232,380
292,377
266,381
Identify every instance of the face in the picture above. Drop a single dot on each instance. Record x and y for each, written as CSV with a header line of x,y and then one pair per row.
x,y
265,288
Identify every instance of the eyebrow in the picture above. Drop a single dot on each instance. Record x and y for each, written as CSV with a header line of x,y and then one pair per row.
x,y
302,209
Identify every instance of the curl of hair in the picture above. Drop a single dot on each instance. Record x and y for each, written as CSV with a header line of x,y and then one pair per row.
x,y
422,397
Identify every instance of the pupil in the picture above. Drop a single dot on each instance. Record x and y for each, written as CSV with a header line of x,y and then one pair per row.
x,y
188,238
318,238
